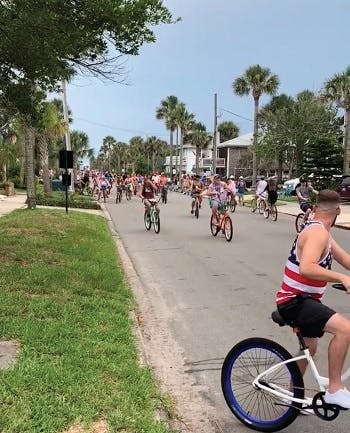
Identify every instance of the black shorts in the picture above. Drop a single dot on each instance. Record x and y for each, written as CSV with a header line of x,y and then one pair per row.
x,y
273,196
304,206
306,313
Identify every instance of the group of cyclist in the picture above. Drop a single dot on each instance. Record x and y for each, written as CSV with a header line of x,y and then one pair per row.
x,y
307,270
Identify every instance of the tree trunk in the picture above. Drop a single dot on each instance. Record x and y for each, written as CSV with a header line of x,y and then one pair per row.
x,y
255,140
346,167
44,162
198,149
153,161
181,150
29,166
171,153
279,169
4,170
22,161
118,158
177,152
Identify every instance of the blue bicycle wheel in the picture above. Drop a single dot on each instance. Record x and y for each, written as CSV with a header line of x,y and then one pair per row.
x,y
258,409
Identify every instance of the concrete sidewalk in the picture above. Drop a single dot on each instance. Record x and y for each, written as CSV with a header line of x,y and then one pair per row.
x,y
18,201
11,203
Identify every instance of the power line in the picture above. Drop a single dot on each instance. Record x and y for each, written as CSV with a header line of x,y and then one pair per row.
x,y
102,125
237,115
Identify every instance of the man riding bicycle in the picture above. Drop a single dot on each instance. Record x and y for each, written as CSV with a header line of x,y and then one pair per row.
x,y
197,188
260,189
217,191
147,193
303,193
306,274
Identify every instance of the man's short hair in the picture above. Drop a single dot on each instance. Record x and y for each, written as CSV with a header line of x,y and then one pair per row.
x,y
328,199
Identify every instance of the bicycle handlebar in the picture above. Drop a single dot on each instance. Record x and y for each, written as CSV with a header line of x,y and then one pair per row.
x,y
339,286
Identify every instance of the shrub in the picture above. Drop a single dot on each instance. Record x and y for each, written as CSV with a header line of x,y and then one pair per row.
x,y
58,199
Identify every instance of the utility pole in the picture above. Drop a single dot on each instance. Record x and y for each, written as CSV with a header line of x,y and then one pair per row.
x,y
215,131
67,142
65,114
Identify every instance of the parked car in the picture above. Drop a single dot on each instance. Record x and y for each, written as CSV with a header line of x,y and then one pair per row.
x,y
344,188
289,185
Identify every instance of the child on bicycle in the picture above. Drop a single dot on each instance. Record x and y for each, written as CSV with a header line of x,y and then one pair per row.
x,y
197,188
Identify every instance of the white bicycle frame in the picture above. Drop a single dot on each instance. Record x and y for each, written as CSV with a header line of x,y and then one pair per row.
x,y
260,199
285,394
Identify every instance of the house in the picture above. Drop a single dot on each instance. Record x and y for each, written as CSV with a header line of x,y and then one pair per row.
x,y
237,155
189,160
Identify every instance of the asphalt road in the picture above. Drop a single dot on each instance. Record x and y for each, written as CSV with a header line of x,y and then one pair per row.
x,y
217,292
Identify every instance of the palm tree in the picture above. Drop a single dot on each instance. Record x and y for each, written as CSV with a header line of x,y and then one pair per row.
x,y
256,80
29,145
228,130
80,148
134,152
118,153
199,138
9,149
50,127
184,121
166,112
337,90
107,145
154,147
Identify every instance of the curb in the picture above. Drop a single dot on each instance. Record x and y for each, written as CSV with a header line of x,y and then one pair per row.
x,y
132,279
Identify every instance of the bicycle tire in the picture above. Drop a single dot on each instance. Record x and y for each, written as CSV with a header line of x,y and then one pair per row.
x,y
266,212
299,222
196,209
274,212
213,227
147,221
156,222
232,205
254,407
253,205
262,206
228,228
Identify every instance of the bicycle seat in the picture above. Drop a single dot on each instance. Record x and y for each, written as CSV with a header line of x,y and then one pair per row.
x,y
277,318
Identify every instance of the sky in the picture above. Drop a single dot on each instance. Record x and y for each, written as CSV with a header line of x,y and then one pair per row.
x,y
304,42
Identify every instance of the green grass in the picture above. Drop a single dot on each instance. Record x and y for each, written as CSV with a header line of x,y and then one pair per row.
x,y
65,300
248,198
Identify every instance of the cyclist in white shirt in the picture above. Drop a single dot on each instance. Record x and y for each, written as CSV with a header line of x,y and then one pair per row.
x,y
260,189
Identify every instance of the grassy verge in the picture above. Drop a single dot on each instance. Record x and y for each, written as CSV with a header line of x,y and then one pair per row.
x,y
248,198
64,299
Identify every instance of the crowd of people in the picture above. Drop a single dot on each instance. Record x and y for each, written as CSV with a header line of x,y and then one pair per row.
x,y
308,268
